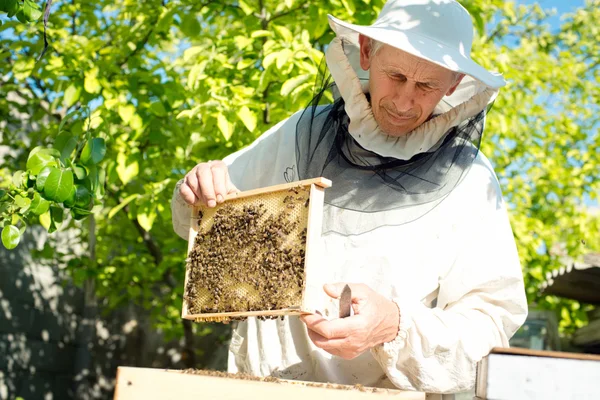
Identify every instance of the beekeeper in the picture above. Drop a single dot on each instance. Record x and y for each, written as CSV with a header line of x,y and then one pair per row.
x,y
415,222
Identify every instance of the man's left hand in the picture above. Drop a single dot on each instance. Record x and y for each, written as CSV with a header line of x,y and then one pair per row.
x,y
375,321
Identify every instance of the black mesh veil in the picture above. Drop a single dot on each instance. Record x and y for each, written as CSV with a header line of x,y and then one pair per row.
x,y
369,189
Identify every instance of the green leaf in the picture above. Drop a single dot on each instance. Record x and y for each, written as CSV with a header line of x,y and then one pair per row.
x,y
92,176
245,63
57,213
83,197
261,33
23,67
10,237
18,178
41,178
39,205
293,83
245,7
46,220
101,180
118,208
247,117
349,5
70,201
80,213
32,11
2,193
157,108
283,57
23,203
11,7
285,33
91,83
94,151
270,59
126,170
190,25
224,126
44,150
146,218
58,185
39,161
66,143
126,112
80,172
71,95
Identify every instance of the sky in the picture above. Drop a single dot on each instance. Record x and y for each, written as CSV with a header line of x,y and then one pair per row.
x,y
562,7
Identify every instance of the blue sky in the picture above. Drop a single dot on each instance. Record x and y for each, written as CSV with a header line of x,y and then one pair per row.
x,y
562,7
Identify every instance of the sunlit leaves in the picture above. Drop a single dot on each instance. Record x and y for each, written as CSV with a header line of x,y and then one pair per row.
x,y
58,185
10,236
93,151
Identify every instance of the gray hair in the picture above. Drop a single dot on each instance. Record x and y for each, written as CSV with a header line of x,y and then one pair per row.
x,y
376,45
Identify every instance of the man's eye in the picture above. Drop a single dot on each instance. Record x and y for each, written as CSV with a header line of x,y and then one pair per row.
x,y
400,78
425,86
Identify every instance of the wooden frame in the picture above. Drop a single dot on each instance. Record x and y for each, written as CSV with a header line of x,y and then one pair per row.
x,y
161,384
313,234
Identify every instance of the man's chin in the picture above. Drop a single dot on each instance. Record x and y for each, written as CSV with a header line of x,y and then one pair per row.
x,y
395,131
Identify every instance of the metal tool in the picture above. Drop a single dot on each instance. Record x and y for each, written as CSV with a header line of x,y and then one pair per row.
x,y
345,302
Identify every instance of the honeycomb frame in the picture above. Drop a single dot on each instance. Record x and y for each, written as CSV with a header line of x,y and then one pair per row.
x,y
273,199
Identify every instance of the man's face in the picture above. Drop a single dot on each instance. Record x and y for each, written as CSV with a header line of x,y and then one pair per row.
x,y
404,89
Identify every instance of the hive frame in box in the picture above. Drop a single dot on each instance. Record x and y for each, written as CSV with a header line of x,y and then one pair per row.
x,y
311,292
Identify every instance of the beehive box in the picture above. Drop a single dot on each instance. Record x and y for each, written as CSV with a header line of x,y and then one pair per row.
x,y
256,254
160,384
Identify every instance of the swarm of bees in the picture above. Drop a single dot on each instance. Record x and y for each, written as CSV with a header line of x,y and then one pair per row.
x,y
251,258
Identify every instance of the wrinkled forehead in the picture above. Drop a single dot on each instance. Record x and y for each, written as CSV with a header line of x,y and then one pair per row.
x,y
395,60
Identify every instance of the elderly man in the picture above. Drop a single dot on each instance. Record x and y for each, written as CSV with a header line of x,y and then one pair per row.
x,y
414,222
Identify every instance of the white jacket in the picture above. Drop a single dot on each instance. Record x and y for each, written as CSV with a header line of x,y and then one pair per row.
x,y
454,273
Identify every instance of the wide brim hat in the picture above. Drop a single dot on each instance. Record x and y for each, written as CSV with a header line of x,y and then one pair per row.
x,y
438,31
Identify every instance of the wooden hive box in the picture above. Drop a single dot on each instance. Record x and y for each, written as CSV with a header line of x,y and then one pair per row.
x,y
256,254
160,384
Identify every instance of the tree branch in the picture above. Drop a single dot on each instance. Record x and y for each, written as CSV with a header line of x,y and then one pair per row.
x,y
73,19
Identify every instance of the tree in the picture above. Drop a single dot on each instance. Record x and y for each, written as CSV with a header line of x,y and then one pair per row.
x,y
170,84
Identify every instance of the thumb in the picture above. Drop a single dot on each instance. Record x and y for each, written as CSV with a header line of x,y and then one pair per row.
x,y
334,290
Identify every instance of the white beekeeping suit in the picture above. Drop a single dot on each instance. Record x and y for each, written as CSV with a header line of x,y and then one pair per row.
x,y
449,262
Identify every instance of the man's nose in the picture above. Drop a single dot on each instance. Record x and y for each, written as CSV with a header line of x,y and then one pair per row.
x,y
404,98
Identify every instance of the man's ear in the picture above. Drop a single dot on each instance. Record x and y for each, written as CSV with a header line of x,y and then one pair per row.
x,y
365,51
453,88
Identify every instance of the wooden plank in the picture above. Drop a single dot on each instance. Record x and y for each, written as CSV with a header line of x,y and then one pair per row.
x,y
285,311
321,182
158,384
544,353
311,294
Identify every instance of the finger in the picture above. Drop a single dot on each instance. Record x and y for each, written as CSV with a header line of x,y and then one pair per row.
x,y
187,194
207,189
219,183
334,290
337,347
191,180
337,328
323,343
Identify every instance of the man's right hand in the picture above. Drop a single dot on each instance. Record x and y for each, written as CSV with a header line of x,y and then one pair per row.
x,y
207,183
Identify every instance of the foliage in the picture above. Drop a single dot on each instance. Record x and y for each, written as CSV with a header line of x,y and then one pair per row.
x,y
170,84
65,176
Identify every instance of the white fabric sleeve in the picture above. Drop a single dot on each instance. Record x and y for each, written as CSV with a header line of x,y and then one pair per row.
x,y
480,305
258,165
